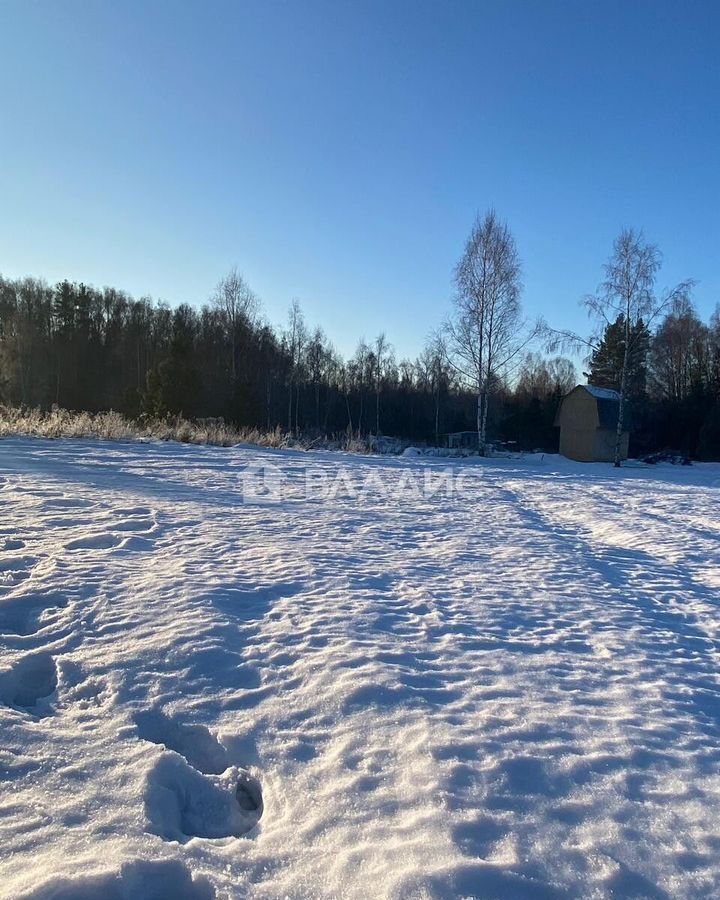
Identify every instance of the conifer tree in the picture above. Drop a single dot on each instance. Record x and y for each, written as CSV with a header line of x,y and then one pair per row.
x,y
606,360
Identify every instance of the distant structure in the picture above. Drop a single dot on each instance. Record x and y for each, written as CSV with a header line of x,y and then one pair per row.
x,y
587,419
461,440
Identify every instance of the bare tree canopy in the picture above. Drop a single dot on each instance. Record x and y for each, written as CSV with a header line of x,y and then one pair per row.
x,y
486,331
234,296
239,305
381,358
543,378
682,354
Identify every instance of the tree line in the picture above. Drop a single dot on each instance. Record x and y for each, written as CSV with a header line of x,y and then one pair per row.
x,y
88,349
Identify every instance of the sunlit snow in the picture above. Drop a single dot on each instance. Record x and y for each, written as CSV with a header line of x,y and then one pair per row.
x,y
505,689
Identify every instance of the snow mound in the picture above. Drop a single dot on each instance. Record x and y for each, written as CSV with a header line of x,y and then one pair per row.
x,y
181,803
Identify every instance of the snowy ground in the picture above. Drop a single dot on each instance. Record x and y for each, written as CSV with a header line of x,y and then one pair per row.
x,y
511,692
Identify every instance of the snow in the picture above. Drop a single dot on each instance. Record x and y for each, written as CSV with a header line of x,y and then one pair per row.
x,y
506,688
601,393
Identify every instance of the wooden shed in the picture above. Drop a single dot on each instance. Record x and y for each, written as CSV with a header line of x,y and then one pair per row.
x,y
587,419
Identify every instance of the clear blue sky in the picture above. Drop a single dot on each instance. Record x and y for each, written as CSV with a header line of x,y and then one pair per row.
x,y
338,151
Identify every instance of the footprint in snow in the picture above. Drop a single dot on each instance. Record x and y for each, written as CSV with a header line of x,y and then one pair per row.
x,y
13,544
181,803
195,742
193,791
103,541
141,525
26,614
67,503
478,837
29,683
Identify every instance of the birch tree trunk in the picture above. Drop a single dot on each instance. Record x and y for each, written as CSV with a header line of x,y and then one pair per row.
x,y
623,388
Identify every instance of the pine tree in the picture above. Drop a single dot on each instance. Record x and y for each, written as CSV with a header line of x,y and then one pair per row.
x,y
606,362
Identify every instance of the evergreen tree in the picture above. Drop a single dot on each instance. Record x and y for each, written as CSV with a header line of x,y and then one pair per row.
x,y
174,384
606,362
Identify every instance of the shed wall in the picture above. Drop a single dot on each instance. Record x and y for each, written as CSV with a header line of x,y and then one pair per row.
x,y
577,443
605,445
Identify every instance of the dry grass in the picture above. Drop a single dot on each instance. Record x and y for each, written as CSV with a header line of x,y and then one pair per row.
x,y
112,426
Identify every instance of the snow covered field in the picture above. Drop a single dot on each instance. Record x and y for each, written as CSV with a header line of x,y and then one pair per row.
x,y
509,689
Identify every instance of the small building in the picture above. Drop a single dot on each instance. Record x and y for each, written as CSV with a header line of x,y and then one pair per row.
x,y
462,440
587,419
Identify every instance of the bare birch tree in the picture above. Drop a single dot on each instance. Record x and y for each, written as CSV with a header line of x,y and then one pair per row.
x,y
295,340
382,351
486,330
